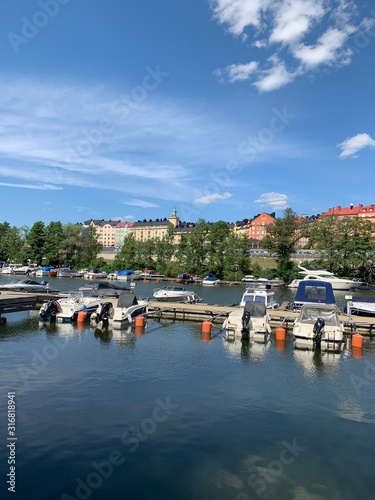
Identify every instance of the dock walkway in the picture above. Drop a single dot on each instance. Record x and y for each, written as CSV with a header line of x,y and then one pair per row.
x,y
18,301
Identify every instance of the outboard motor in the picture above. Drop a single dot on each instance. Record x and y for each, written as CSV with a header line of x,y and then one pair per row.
x,y
104,314
49,310
318,332
246,316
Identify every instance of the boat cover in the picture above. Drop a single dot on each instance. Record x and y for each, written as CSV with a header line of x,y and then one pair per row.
x,y
315,291
255,309
127,299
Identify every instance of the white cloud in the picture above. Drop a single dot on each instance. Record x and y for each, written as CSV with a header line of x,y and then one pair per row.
x,y
238,13
303,34
294,18
140,203
352,145
241,71
328,49
276,201
212,198
41,187
274,78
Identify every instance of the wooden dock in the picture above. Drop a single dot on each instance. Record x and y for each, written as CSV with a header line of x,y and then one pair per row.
x,y
18,301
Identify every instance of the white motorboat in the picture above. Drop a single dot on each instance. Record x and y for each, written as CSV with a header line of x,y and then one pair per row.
x,y
66,309
14,269
66,272
313,292
176,294
318,327
93,274
251,321
210,280
28,286
43,271
259,293
102,289
361,305
122,314
323,275
249,278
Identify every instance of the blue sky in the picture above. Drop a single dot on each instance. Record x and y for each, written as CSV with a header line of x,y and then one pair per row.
x,y
223,109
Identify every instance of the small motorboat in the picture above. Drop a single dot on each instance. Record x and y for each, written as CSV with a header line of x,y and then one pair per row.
x,y
323,275
250,322
318,327
102,289
122,314
313,292
30,286
210,280
259,293
176,294
66,272
66,309
93,274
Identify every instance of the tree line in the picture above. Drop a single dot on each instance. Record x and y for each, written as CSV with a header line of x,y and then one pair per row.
x,y
344,246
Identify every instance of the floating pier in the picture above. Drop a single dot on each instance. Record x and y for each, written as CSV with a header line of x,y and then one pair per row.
x,y
216,314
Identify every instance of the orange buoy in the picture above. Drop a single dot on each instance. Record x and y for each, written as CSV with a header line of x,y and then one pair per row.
x,y
280,344
81,316
139,321
357,352
357,340
206,326
280,333
139,330
206,336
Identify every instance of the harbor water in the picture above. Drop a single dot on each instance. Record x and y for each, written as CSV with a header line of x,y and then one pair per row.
x,y
163,414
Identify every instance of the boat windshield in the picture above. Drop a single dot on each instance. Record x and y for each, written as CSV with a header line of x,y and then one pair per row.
x,y
255,298
311,314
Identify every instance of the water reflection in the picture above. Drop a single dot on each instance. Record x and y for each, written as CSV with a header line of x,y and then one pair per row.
x,y
123,337
249,350
317,363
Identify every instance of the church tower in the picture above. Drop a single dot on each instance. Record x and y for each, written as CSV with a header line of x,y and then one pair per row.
x,y
173,219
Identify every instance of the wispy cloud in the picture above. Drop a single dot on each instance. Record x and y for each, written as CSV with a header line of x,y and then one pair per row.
x,y
297,36
276,201
140,203
353,145
212,198
69,135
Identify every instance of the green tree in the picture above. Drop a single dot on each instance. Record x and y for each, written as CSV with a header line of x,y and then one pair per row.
x,y
54,243
36,239
345,244
88,248
69,249
281,239
127,257
11,243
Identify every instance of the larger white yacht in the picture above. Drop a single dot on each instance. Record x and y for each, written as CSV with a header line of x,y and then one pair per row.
x,y
323,275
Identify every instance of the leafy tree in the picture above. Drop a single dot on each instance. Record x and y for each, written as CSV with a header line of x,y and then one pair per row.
x,y
345,244
281,239
68,254
36,239
127,257
196,248
54,243
88,247
11,243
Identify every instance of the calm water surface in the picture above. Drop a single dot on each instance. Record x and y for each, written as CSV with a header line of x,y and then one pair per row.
x,y
116,415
